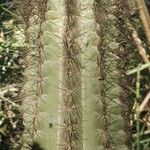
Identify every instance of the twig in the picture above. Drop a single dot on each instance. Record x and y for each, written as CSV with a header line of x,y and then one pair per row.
x,y
144,103
7,10
142,133
144,16
139,45
7,100
139,68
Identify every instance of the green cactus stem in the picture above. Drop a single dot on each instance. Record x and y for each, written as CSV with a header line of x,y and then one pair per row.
x,y
51,70
88,42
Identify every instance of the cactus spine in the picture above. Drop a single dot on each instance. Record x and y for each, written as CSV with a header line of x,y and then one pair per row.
x,y
110,91
107,58
124,62
33,14
71,111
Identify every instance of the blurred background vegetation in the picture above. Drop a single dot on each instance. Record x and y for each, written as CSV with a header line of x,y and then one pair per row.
x,y
11,77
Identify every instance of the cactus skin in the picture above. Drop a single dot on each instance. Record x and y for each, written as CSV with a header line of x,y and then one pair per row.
x,y
71,111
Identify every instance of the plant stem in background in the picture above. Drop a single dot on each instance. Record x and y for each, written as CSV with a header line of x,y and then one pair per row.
x,y
144,16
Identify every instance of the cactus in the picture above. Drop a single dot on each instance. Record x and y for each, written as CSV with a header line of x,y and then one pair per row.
x,y
51,70
76,92
88,42
113,104
108,106
33,15
125,96
71,110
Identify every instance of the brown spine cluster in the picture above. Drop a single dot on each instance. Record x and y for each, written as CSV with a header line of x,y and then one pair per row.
x,y
71,112
113,61
33,16
101,11
124,53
